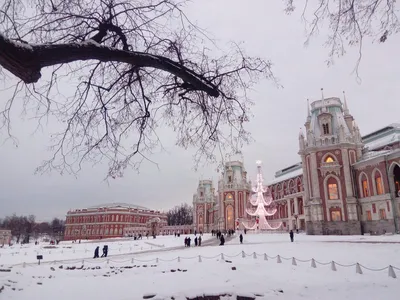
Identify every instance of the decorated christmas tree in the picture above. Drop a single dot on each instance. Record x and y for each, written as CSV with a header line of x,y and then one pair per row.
x,y
263,204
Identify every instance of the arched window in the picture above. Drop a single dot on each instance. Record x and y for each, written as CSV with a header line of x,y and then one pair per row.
x,y
325,128
200,219
364,186
378,183
333,189
230,217
396,177
329,159
299,185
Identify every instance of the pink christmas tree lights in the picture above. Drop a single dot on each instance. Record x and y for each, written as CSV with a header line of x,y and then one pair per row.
x,y
264,206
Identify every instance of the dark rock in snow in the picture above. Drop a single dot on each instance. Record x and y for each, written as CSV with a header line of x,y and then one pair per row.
x,y
233,268
52,269
149,296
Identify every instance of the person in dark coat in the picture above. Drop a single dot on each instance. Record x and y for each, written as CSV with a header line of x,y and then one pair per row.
x,y
199,240
195,241
291,236
189,240
241,238
105,251
222,240
96,252
186,241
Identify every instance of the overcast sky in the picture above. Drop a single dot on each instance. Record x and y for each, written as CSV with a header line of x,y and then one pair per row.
x,y
279,113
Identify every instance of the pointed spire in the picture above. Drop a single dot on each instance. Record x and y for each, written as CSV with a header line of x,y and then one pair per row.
x,y
323,100
308,110
301,133
345,108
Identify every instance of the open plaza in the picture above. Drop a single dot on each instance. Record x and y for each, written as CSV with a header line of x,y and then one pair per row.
x,y
313,267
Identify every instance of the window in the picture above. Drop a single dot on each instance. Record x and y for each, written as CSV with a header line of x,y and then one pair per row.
x,y
325,128
201,194
369,215
378,184
116,218
329,159
374,208
333,191
382,214
365,190
336,215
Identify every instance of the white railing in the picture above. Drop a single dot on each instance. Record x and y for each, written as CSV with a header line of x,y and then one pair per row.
x,y
294,261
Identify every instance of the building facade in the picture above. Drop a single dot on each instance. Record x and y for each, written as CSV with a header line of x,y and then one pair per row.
x,y
111,220
344,183
225,208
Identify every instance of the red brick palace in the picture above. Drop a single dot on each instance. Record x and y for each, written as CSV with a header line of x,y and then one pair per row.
x,y
112,220
344,183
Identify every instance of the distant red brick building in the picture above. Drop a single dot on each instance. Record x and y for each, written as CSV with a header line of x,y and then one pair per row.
x,y
110,220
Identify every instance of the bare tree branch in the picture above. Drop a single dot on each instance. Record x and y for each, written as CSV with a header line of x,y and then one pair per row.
x,y
114,72
350,22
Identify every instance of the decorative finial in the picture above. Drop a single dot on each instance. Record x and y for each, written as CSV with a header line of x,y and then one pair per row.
x,y
345,108
308,109
323,100
258,162
301,132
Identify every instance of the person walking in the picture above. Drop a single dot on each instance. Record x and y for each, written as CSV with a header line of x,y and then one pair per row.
x,y
222,240
199,241
96,252
241,238
195,241
291,236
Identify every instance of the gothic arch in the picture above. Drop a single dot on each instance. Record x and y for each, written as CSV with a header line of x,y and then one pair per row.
x,y
340,196
230,217
391,178
292,186
373,177
299,184
360,180
329,154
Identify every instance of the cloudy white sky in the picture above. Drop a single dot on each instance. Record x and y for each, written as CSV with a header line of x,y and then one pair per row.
x,y
279,113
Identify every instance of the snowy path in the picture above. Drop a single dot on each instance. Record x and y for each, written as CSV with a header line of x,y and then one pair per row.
x,y
212,241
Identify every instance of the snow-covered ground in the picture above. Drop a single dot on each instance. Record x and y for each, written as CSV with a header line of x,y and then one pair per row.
x,y
27,253
202,271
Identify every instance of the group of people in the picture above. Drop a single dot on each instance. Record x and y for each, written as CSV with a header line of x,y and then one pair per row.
x,y
197,241
105,251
